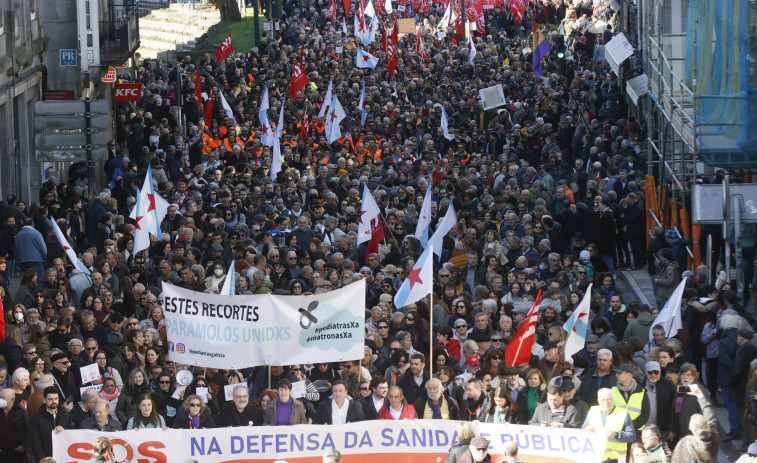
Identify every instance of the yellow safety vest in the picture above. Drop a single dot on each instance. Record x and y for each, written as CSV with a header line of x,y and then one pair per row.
x,y
615,449
633,407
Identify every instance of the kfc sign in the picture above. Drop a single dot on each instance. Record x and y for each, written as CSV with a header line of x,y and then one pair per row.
x,y
128,92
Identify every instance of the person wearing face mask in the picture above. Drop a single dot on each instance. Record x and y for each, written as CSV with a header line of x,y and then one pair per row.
x,y
13,422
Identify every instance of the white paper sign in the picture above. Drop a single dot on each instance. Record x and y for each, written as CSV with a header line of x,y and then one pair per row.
x,y
95,387
492,97
203,393
89,373
299,389
228,391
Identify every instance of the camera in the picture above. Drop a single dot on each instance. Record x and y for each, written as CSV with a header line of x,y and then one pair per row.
x,y
684,389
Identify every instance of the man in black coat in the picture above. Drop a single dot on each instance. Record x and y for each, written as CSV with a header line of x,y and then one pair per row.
x,y
83,409
660,392
65,380
50,417
339,409
373,403
240,412
472,275
413,381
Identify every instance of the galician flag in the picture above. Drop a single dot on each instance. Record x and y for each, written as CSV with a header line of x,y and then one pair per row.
x,y
445,124
276,159
365,60
229,284
368,212
150,211
326,101
471,49
361,105
68,249
336,114
576,327
444,23
437,239
266,134
424,219
670,315
419,282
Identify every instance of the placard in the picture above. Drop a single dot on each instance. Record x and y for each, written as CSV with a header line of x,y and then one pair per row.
x,y
90,373
406,26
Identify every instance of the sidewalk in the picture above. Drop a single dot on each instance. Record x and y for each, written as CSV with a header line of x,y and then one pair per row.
x,y
640,284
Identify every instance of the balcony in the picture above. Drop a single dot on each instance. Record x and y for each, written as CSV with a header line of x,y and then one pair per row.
x,y
119,32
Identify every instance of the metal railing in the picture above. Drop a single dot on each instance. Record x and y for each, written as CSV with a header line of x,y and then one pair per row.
x,y
181,37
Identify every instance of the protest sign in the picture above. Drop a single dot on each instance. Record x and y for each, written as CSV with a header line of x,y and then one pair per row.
x,y
406,26
233,332
373,441
90,373
492,97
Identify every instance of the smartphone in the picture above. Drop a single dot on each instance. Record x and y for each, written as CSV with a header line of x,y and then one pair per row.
x,y
684,389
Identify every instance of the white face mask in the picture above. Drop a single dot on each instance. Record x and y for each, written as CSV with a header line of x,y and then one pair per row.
x,y
154,140
3,403
218,272
18,316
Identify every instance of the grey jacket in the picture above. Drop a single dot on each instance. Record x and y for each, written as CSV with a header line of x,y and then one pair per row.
x,y
297,416
566,414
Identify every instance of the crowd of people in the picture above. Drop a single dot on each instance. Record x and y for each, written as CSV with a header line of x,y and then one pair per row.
x,y
548,191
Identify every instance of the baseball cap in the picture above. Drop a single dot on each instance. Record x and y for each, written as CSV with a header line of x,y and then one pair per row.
x,y
472,360
671,234
567,385
625,367
653,366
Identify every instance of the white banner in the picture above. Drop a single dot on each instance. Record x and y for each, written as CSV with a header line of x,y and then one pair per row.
x,y
375,441
233,332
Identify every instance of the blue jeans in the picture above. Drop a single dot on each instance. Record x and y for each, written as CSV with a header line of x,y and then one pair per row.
x,y
733,413
607,259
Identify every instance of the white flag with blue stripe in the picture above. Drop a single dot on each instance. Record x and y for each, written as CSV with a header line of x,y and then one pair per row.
x,y
68,249
419,282
576,327
229,284
424,219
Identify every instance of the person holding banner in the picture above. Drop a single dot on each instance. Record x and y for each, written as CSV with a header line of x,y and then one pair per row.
x,y
240,411
608,420
147,416
340,409
285,410
397,408
194,414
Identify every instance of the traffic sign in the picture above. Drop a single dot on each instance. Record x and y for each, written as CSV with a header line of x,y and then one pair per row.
x,y
71,155
73,139
68,57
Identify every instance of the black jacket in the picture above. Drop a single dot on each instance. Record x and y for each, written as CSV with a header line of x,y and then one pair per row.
x,y
323,415
182,419
41,427
665,393
19,420
78,415
111,426
231,417
369,411
410,388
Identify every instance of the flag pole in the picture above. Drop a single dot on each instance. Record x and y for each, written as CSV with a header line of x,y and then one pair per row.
x,y
431,332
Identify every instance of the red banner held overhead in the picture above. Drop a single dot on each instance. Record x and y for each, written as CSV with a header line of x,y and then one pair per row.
x,y
128,92
226,49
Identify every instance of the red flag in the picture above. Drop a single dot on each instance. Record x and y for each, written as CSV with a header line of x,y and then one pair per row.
x,y
518,7
305,126
225,49
377,234
198,90
331,13
346,8
391,55
519,349
299,78
207,112
419,46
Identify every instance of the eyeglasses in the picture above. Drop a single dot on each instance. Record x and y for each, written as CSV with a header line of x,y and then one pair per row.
x,y
32,352
461,326
347,367
195,405
101,358
41,362
653,372
201,385
296,369
582,272
401,362
384,327
496,358
496,339
297,287
460,306
365,389
91,349
165,382
107,296
132,323
409,319
476,365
